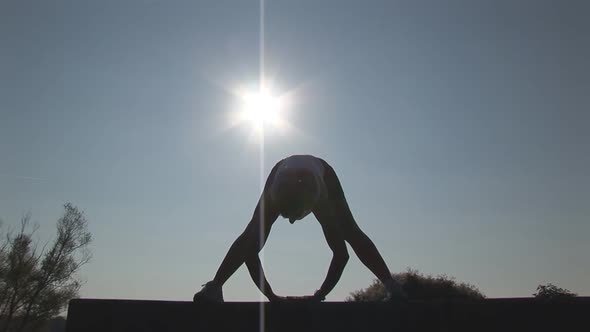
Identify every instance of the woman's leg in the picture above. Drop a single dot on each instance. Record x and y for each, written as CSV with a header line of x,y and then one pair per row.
x,y
249,243
362,245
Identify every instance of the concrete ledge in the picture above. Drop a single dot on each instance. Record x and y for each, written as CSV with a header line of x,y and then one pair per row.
x,y
517,314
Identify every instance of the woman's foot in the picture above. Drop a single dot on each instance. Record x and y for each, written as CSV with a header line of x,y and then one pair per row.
x,y
211,292
395,291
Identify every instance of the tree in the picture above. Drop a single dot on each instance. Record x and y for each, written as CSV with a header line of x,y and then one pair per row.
x,y
36,284
552,292
419,287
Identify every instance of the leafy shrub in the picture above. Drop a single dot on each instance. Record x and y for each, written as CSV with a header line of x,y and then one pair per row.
x,y
419,287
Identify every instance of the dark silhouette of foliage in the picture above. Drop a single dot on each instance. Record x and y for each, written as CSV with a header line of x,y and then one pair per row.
x,y
419,287
552,292
37,283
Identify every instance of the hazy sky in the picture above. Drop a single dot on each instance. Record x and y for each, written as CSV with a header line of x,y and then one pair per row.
x,y
459,129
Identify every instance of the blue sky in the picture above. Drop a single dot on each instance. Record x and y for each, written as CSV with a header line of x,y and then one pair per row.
x,y
459,130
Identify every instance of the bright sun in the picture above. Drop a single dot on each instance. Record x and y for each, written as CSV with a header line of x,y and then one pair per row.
x,y
261,108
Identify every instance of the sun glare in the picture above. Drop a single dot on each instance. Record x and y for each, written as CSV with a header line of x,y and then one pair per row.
x,y
261,108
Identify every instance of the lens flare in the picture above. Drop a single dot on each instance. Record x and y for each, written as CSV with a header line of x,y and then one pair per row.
x,y
261,109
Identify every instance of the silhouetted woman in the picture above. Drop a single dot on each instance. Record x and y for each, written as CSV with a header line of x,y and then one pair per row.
x,y
297,186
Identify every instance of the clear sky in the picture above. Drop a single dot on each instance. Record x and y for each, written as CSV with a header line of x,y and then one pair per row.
x,y
459,129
